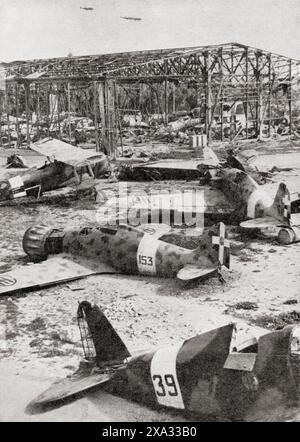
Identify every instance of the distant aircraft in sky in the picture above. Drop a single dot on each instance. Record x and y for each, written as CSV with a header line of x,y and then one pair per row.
x,y
131,18
85,8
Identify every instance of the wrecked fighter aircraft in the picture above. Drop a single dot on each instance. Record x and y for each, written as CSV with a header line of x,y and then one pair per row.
x,y
77,253
63,162
254,208
211,374
234,194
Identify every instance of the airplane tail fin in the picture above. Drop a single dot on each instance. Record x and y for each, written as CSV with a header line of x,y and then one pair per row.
x,y
100,341
282,204
212,254
210,157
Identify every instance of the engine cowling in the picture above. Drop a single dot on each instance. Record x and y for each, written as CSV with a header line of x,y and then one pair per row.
x,y
36,242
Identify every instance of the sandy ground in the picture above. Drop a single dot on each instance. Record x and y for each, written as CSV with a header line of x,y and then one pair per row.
x,y
39,338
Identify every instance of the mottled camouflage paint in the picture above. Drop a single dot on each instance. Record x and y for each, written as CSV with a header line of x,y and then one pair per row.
x,y
119,248
49,177
243,191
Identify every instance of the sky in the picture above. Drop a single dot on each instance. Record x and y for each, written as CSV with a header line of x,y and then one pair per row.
x,y
54,28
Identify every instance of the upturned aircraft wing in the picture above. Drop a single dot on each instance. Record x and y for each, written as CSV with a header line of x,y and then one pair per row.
x,y
63,152
56,270
262,223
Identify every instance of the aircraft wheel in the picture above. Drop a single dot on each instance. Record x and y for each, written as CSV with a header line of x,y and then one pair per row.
x,y
286,236
34,242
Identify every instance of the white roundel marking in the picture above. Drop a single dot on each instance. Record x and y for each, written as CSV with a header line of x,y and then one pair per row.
x,y
254,198
164,377
17,187
6,281
146,255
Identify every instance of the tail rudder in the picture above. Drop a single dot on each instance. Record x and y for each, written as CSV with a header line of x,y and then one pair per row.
x,y
209,257
281,207
100,341
210,157
222,242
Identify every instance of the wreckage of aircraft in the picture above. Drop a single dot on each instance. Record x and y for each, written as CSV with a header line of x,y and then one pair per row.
x,y
78,253
210,374
234,193
63,162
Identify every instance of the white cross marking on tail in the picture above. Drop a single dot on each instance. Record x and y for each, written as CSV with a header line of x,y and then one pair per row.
x,y
17,187
222,242
287,206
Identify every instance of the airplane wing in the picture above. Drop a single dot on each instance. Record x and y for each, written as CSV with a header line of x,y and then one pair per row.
x,y
63,152
56,270
262,223
72,386
155,230
191,272
204,199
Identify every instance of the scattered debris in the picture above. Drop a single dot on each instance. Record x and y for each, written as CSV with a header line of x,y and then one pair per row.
x,y
290,302
16,162
270,322
246,305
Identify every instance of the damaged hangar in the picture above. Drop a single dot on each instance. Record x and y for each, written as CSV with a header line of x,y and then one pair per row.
x,y
226,92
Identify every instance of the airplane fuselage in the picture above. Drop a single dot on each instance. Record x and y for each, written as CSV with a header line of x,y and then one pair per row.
x,y
135,252
202,377
199,377
248,196
48,177
210,374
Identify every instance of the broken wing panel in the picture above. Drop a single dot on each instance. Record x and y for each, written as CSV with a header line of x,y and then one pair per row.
x,y
261,223
60,151
55,270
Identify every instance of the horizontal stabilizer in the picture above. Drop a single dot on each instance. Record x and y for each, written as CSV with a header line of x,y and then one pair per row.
x,y
240,361
191,272
262,223
68,388
55,270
